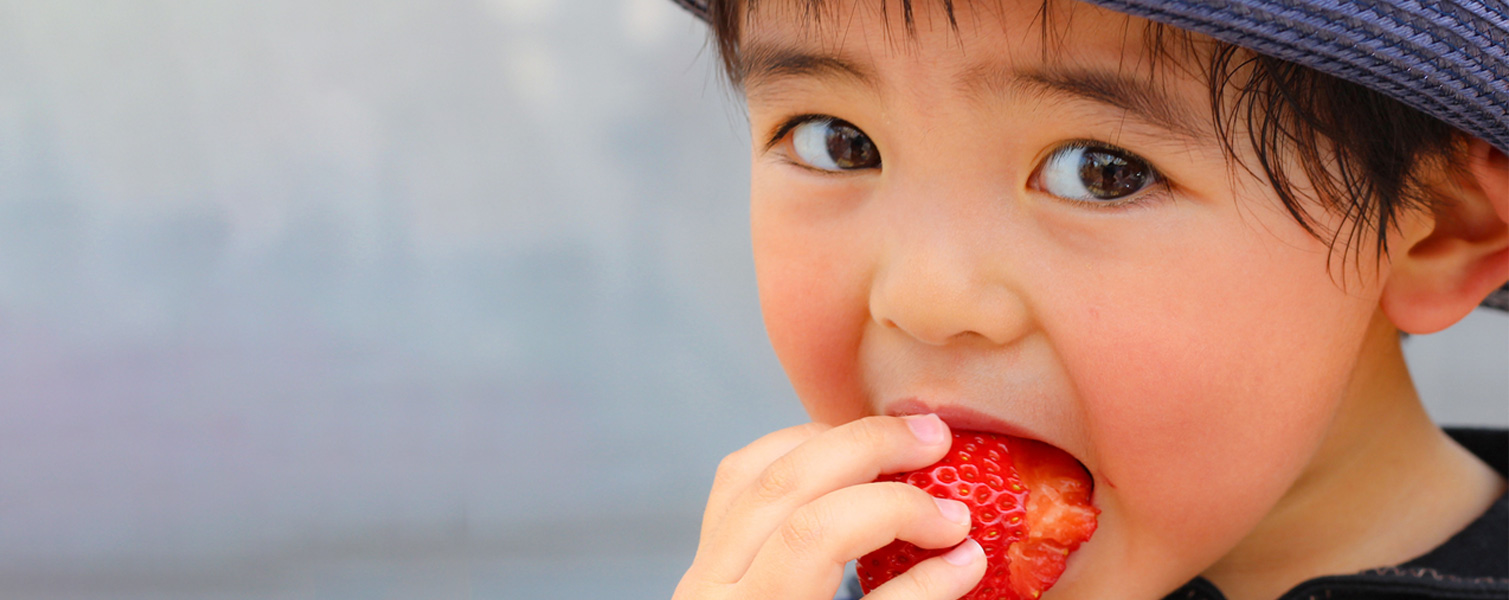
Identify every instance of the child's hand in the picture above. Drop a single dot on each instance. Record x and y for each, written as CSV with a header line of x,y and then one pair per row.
x,y
789,510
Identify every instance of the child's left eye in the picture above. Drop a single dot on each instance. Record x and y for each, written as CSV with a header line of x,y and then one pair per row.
x,y
1094,172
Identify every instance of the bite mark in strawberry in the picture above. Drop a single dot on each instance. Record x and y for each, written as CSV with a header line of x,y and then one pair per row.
x,y
1029,507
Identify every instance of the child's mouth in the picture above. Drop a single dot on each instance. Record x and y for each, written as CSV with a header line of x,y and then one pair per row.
x,y
960,418
1030,506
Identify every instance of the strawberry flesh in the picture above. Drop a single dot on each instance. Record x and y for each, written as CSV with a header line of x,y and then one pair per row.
x,y
1029,506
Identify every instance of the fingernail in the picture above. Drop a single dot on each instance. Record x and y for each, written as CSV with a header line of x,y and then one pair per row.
x,y
953,510
928,428
965,553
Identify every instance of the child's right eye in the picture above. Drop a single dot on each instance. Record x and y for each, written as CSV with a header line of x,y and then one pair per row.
x,y
830,144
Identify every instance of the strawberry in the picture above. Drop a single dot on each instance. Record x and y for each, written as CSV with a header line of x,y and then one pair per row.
x,y
1029,506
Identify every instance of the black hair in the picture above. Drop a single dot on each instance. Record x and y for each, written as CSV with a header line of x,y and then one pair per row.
x,y
1363,153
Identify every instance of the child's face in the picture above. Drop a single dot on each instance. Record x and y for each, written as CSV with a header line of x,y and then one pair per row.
x,y
1186,339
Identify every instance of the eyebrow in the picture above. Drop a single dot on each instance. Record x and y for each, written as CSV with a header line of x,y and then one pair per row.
x,y
763,66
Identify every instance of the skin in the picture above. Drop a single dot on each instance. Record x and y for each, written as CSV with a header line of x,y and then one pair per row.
x,y
1234,387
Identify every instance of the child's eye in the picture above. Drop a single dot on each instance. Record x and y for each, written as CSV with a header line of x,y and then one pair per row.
x,y
1094,172
833,145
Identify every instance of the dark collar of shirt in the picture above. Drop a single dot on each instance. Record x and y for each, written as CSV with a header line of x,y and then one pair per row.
x,y
1473,564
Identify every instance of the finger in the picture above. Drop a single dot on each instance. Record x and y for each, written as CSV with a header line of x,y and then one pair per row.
x,y
809,551
735,473
850,454
738,470
944,577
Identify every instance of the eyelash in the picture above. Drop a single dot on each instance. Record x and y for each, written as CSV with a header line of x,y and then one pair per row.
x,y
1159,190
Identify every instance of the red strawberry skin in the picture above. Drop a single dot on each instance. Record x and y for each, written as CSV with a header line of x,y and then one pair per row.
x,y
1029,504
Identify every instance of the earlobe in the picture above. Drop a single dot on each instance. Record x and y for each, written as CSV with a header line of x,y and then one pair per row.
x,y
1447,265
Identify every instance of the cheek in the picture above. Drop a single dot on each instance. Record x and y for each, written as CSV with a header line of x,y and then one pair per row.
x,y
1208,382
814,303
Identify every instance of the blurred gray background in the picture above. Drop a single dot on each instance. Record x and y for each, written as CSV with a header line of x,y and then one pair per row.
x,y
379,299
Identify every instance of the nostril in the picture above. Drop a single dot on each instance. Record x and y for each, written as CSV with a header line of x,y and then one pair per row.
x,y
968,337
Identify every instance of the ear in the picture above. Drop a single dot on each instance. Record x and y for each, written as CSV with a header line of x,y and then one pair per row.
x,y
1452,259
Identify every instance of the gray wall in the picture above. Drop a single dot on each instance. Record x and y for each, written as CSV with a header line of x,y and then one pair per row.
x,y
379,299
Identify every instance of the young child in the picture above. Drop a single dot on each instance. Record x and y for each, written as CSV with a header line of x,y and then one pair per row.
x,y
1185,263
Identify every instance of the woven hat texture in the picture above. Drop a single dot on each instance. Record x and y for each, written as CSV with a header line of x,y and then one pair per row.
x,y
1446,58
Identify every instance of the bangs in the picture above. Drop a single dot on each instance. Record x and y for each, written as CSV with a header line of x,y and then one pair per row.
x,y
729,19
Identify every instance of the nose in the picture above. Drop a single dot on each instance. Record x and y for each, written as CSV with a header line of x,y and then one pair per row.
x,y
942,289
